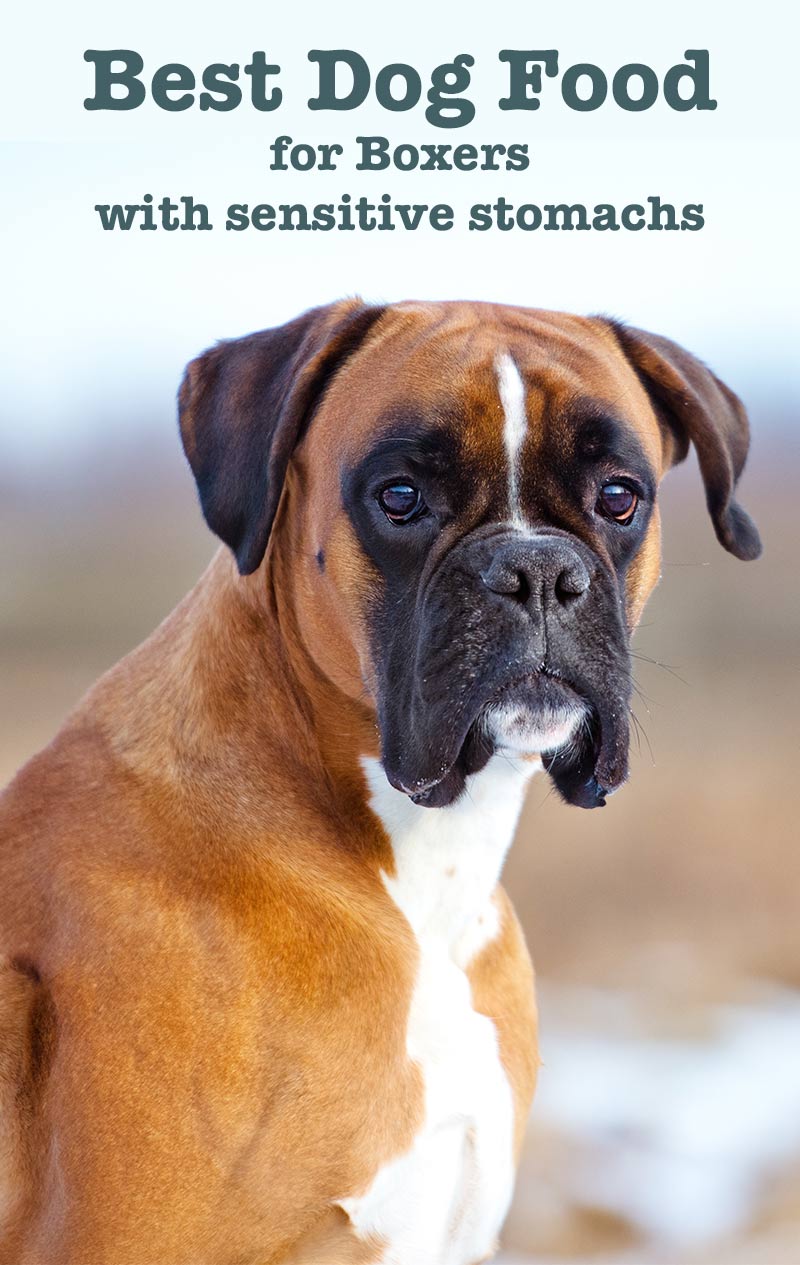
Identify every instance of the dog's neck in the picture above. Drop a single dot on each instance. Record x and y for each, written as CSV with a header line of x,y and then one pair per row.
x,y
228,689
447,861
230,684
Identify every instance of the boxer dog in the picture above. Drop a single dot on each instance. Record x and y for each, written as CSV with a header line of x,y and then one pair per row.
x,y
262,999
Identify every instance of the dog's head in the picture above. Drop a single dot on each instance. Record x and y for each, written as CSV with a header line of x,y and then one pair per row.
x,y
463,497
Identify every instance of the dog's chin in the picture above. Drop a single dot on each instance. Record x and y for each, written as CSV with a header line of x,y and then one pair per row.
x,y
524,720
517,729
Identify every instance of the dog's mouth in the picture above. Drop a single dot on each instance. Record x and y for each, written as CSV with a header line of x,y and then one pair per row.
x,y
539,714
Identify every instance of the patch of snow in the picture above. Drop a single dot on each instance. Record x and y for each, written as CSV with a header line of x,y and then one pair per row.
x,y
681,1136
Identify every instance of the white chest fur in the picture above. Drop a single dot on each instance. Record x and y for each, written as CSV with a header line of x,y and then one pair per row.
x,y
444,1200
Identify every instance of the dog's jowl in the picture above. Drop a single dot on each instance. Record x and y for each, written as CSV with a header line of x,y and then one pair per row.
x,y
262,998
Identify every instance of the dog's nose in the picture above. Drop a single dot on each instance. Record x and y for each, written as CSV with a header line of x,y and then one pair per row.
x,y
543,569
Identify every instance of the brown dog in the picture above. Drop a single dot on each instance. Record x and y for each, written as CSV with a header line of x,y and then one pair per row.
x,y
262,999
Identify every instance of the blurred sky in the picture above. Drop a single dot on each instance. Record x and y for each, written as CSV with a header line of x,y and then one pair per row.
x,y
97,325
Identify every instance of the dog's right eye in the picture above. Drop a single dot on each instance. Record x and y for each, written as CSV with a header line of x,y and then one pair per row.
x,y
401,503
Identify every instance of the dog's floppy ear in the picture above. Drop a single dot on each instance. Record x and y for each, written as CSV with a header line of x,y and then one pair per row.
x,y
696,407
244,404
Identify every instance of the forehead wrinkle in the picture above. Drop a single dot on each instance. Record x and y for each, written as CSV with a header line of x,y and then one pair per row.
x,y
576,370
504,410
593,368
482,438
459,332
442,356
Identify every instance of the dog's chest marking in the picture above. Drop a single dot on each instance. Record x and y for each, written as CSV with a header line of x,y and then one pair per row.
x,y
444,1200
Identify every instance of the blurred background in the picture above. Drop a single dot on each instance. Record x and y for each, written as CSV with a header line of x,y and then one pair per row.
x,y
665,928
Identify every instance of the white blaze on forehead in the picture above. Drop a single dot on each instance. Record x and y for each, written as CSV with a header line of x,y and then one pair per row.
x,y
515,425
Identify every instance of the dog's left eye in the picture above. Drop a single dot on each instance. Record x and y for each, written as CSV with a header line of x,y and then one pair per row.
x,y
401,502
617,501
